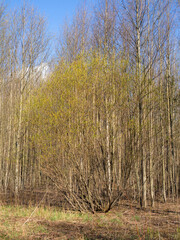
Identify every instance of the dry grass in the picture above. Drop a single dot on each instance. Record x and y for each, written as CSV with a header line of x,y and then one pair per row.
x,y
124,222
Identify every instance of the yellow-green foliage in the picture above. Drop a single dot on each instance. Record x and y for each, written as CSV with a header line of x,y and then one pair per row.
x,y
63,107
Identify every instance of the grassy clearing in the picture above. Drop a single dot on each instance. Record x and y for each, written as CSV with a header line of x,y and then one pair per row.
x,y
18,222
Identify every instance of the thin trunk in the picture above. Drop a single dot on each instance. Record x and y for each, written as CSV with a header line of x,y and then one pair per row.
x,y
161,118
1,134
19,130
151,176
169,115
8,162
139,79
108,151
18,143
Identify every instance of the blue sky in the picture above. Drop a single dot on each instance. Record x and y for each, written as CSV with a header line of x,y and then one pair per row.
x,y
55,11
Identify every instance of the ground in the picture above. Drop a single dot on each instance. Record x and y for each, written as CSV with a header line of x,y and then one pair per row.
x,y
126,221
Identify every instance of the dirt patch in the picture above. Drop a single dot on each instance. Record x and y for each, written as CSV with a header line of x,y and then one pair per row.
x,y
64,230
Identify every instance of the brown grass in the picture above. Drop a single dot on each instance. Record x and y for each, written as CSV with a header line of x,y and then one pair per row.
x,y
126,221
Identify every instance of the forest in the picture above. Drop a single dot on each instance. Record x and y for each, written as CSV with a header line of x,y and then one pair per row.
x,y
96,122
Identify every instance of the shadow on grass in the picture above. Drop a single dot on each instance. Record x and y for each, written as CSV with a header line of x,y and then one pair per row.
x,y
77,230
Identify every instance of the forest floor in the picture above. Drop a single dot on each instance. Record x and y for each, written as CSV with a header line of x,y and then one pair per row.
x,y
126,221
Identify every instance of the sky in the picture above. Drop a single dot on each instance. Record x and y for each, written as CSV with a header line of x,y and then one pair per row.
x,y
54,11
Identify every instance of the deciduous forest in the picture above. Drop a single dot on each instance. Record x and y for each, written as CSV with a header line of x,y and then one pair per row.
x,y
97,122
